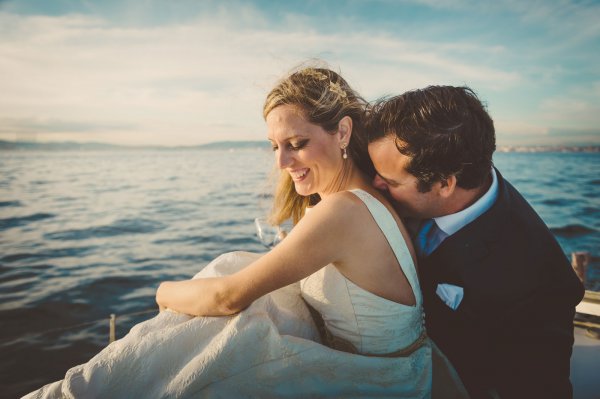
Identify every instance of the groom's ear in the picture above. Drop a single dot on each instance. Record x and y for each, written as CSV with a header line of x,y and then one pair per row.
x,y
345,129
448,185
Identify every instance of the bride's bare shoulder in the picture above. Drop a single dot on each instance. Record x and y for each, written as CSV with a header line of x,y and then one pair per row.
x,y
340,201
343,206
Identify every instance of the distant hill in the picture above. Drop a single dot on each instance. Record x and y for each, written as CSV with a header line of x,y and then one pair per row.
x,y
28,145
75,146
225,145
229,145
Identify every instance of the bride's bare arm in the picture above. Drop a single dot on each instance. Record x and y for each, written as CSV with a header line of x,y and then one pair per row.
x,y
323,236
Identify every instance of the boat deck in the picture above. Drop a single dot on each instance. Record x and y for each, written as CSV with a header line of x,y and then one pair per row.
x,y
585,360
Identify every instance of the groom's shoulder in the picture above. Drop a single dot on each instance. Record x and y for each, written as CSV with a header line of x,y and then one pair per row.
x,y
513,209
511,229
510,208
510,218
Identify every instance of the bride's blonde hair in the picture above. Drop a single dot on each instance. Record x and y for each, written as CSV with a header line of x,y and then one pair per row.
x,y
324,98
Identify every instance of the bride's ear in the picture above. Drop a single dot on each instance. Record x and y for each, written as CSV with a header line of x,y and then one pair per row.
x,y
345,129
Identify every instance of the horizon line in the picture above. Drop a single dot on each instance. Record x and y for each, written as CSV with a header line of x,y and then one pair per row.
x,y
227,144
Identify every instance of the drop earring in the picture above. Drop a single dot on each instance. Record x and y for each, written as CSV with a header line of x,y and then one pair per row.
x,y
344,152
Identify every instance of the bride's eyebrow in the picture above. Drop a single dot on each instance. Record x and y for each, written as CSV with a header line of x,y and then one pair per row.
x,y
294,137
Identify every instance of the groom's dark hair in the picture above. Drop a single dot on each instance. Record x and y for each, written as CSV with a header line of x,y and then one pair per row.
x,y
445,130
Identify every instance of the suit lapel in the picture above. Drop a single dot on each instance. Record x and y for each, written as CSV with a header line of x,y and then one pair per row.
x,y
469,246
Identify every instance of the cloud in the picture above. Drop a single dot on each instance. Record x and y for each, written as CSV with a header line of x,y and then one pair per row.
x,y
188,83
572,20
573,117
571,112
570,119
587,134
513,128
204,78
523,133
543,28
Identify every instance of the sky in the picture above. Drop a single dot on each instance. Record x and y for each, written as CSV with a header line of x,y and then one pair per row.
x,y
185,72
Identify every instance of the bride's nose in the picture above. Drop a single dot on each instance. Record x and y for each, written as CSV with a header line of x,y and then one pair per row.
x,y
284,158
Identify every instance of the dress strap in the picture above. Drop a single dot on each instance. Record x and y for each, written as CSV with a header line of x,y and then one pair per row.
x,y
388,226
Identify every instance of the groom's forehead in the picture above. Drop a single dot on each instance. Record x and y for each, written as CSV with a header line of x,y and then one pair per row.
x,y
386,156
386,146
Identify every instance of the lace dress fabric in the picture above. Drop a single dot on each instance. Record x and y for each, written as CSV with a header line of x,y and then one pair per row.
x,y
371,324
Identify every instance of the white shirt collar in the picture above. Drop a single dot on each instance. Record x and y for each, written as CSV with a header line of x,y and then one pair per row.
x,y
450,224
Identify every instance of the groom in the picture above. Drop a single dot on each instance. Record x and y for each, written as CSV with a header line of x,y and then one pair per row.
x,y
499,293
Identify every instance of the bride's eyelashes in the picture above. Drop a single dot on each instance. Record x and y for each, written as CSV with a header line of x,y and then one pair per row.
x,y
294,146
299,145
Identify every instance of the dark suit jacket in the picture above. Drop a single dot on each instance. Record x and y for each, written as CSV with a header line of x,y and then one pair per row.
x,y
513,331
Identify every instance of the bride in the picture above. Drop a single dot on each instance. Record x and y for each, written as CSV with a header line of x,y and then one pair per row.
x,y
334,310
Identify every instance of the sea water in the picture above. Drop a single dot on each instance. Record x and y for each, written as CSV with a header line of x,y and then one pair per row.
x,y
84,234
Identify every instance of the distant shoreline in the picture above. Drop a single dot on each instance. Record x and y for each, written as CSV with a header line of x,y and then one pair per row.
x,y
77,146
6,145
549,148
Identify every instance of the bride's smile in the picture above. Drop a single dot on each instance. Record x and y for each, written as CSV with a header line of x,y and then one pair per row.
x,y
299,175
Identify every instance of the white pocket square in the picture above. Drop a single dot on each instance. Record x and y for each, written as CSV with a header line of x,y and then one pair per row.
x,y
452,295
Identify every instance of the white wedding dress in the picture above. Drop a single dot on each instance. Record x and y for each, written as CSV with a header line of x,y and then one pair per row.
x,y
272,349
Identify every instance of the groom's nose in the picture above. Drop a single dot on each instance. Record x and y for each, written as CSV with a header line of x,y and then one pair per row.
x,y
379,183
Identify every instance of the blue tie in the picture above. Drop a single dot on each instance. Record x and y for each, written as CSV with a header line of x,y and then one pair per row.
x,y
424,237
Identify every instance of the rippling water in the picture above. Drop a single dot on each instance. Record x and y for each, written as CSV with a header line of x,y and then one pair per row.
x,y
87,234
